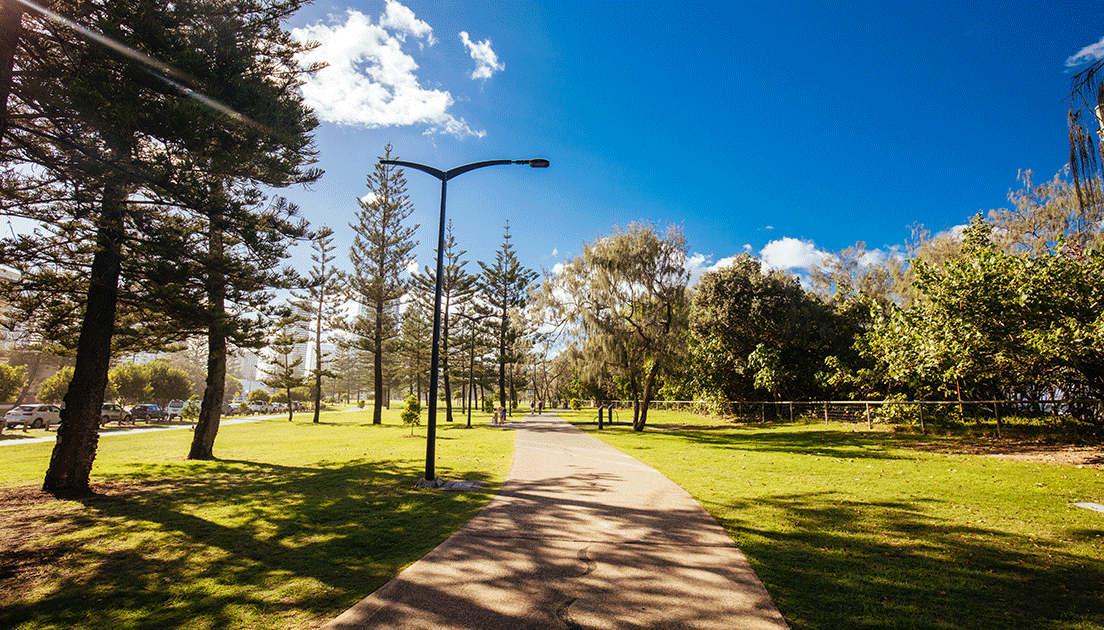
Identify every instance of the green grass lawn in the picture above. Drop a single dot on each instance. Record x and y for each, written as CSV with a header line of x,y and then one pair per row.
x,y
856,529
293,524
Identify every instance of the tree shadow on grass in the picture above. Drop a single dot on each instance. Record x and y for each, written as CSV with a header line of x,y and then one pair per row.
x,y
898,566
247,543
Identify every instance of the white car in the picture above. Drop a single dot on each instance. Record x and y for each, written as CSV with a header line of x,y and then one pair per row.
x,y
260,407
34,416
174,409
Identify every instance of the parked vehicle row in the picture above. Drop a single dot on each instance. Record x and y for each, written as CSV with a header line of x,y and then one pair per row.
x,y
39,415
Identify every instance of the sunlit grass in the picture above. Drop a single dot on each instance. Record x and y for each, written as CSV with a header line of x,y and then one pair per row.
x,y
855,529
294,523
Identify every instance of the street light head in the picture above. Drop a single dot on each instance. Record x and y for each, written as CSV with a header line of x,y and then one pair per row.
x,y
539,163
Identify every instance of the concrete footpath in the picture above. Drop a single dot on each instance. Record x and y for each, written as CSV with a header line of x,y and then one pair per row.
x,y
579,536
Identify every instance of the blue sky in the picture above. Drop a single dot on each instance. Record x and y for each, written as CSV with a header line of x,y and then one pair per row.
x,y
782,129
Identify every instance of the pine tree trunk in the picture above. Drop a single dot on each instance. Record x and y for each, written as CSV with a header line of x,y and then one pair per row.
x,y
210,410
11,30
78,435
377,359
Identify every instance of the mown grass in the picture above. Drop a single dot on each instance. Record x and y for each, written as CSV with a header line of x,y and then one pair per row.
x,y
294,523
856,529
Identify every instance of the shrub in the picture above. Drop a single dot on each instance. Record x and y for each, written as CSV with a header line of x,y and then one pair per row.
x,y
412,413
360,403
575,404
191,410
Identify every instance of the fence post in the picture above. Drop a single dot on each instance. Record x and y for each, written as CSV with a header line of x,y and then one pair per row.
x,y
869,424
920,406
762,412
791,413
996,413
826,413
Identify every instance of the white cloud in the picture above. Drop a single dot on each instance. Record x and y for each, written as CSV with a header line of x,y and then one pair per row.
x,y
369,80
1087,54
398,18
791,253
555,251
412,267
558,268
486,60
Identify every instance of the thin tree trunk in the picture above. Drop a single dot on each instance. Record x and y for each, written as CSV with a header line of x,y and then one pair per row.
x,y
377,355
210,410
649,385
78,435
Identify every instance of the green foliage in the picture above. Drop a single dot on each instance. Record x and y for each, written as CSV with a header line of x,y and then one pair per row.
x,y
167,382
575,404
53,389
360,404
132,383
412,413
11,381
191,408
754,333
232,389
258,395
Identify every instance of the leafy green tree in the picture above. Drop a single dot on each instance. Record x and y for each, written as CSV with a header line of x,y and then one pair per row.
x,y
626,299
322,301
232,389
411,414
258,395
380,255
131,382
53,389
167,382
11,380
747,325
504,289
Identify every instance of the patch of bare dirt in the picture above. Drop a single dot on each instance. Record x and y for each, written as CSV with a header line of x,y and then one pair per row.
x,y
1024,451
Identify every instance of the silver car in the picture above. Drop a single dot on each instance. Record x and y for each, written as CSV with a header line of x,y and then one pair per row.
x,y
34,416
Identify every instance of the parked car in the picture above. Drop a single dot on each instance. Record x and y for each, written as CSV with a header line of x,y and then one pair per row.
x,y
260,407
114,412
34,416
147,413
174,409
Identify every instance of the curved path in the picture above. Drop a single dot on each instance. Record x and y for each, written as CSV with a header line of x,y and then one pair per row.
x,y
580,536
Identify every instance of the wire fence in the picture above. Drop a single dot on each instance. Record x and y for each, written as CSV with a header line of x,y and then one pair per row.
x,y
917,412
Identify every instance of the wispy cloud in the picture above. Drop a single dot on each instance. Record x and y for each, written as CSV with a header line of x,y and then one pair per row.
x,y
1088,54
369,79
486,60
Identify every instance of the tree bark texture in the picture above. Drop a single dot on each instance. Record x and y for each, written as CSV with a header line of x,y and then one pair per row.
x,y
78,435
210,411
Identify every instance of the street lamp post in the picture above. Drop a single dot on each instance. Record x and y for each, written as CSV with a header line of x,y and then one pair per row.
x,y
431,430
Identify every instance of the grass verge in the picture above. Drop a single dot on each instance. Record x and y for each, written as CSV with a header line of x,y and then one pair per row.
x,y
849,528
293,524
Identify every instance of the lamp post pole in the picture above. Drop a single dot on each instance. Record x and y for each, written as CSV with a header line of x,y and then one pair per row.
x,y
434,362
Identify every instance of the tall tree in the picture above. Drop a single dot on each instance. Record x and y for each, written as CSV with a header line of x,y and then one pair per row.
x,y
626,298
380,255
457,288
504,287
322,301
114,133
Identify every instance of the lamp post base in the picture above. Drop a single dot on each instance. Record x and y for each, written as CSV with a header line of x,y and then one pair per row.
x,y
429,483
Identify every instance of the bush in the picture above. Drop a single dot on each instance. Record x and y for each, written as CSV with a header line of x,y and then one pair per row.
x,y
360,404
191,410
575,404
412,413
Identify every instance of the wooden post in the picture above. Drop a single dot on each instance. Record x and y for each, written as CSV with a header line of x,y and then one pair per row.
x,y
791,412
921,407
869,424
826,413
